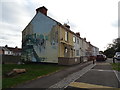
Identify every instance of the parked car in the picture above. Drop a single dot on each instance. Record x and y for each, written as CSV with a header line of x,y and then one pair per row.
x,y
117,56
101,57
105,57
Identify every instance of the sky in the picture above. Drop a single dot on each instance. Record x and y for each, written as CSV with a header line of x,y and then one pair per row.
x,y
96,20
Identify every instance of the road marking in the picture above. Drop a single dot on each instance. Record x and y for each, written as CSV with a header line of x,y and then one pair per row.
x,y
103,63
116,73
86,85
102,70
72,77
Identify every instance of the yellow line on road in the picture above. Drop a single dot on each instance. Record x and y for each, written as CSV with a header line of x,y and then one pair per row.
x,y
86,85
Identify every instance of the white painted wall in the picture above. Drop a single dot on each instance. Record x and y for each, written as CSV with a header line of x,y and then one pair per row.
x,y
77,46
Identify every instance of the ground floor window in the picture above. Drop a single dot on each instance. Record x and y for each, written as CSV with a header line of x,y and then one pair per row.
x,y
77,53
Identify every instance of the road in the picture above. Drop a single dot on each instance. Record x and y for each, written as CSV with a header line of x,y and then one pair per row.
x,y
100,76
85,75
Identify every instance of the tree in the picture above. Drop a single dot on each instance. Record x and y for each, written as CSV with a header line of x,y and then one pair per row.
x,y
109,52
112,48
117,44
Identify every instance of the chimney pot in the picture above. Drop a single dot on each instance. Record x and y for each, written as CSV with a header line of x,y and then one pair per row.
x,y
42,9
6,46
85,39
66,25
78,33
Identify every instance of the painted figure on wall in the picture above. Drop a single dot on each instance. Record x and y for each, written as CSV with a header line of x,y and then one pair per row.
x,y
37,45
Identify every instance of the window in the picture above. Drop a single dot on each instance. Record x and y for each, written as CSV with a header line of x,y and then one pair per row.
x,y
6,52
66,36
66,50
77,52
77,40
74,39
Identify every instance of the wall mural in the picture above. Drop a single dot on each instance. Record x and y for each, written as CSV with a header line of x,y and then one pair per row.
x,y
36,46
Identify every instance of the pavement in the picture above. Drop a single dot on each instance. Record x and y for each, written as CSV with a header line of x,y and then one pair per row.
x,y
84,76
48,81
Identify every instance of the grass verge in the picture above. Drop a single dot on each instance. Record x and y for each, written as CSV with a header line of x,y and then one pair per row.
x,y
116,66
33,71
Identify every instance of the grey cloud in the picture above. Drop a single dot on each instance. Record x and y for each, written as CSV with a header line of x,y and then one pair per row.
x,y
10,39
8,34
9,28
3,37
6,42
13,12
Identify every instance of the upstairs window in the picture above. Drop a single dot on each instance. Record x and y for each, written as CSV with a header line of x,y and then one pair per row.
x,y
66,36
77,40
74,39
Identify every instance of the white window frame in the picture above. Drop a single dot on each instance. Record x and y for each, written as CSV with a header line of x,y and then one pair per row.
x,y
74,39
66,36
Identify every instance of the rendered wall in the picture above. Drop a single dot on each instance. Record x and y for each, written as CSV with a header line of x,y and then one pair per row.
x,y
81,47
77,47
40,40
63,43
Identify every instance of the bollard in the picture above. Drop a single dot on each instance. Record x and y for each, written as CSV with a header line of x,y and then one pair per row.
x,y
113,60
93,61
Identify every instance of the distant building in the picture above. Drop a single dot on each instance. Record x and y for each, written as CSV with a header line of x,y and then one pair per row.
x,y
10,54
46,40
10,51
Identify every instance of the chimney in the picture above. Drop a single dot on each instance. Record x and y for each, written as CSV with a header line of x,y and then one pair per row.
x,y
89,42
42,9
85,39
67,26
78,33
6,46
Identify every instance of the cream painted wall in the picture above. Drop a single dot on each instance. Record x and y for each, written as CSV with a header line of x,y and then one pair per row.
x,y
63,43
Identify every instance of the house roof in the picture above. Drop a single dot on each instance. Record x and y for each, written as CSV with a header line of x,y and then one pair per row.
x,y
11,49
14,49
5,49
67,29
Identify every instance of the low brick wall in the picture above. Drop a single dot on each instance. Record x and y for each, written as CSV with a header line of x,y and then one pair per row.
x,y
69,61
10,59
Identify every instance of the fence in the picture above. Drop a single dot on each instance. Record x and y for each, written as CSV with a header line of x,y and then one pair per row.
x,y
10,59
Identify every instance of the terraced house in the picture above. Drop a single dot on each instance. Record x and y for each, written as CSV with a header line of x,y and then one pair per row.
x,y
46,40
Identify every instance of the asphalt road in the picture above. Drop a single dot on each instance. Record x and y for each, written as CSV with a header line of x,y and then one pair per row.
x,y
83,76
100,76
